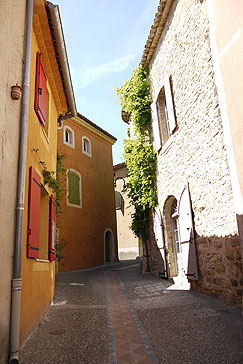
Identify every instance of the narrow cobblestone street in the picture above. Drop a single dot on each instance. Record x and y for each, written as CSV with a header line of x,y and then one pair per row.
x,y
114,314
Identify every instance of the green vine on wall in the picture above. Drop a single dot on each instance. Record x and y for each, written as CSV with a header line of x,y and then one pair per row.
x,y
135,100
54,180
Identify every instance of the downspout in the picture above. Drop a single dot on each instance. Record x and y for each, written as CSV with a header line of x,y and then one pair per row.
x,y
17,280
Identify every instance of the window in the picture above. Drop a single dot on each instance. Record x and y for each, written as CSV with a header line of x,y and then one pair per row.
x,y
175,226
47,113
41,220
164,126
74,188
163,116
86,146
68,136
40,90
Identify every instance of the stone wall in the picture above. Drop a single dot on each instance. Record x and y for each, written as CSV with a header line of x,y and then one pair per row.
x,y
221,268
196,151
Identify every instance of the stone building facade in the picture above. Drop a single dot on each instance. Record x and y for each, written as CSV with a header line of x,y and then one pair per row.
x,y
199,239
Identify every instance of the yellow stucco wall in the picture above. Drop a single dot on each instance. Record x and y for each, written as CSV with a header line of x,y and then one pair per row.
x,y
38,277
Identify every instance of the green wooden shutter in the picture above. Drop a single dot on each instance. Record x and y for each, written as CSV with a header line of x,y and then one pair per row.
x,y
118,200
73,188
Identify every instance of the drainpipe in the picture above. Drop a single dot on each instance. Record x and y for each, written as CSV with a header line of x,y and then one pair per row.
x,y
17,281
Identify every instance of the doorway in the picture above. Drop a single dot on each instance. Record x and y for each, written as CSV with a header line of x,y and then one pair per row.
x,y
109,246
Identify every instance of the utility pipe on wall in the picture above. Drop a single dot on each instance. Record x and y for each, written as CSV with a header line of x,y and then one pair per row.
x,y
17,281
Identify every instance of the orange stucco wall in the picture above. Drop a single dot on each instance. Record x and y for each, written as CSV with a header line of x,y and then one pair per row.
x,y
38,277
83,228
228,18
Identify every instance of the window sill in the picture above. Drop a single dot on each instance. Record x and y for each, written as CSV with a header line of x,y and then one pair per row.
x,y
42,260
69,145
86,153
45,135
74,205
166,145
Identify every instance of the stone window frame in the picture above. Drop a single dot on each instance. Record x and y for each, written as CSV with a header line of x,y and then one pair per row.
x,y
68,131
86,146
80,189
166,110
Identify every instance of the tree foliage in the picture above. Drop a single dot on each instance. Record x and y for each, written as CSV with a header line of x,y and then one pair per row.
x,y
134,97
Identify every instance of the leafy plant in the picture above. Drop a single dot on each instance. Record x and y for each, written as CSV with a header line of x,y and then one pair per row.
x,y
55,181
60,246
134,97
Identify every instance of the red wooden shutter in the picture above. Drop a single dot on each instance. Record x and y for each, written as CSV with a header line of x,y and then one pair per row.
x,y
33,234
40,90
52,229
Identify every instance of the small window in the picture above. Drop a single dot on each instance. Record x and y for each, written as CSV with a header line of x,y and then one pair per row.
x,y
86,146
73,188
165,111
68,136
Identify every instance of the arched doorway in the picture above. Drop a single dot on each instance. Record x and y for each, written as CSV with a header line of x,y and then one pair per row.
x,y
109,246
180,236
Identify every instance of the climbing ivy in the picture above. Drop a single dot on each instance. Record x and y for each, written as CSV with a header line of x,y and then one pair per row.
x,y
55,181
134,97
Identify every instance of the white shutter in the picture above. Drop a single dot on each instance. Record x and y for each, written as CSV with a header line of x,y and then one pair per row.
x,y
184,216
169,103
158,232
155,127
187,235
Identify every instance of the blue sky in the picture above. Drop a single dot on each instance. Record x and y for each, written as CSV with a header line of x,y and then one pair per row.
x,y
105,41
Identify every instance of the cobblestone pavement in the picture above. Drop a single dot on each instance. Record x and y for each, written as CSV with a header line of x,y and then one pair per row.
x,y
114,314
